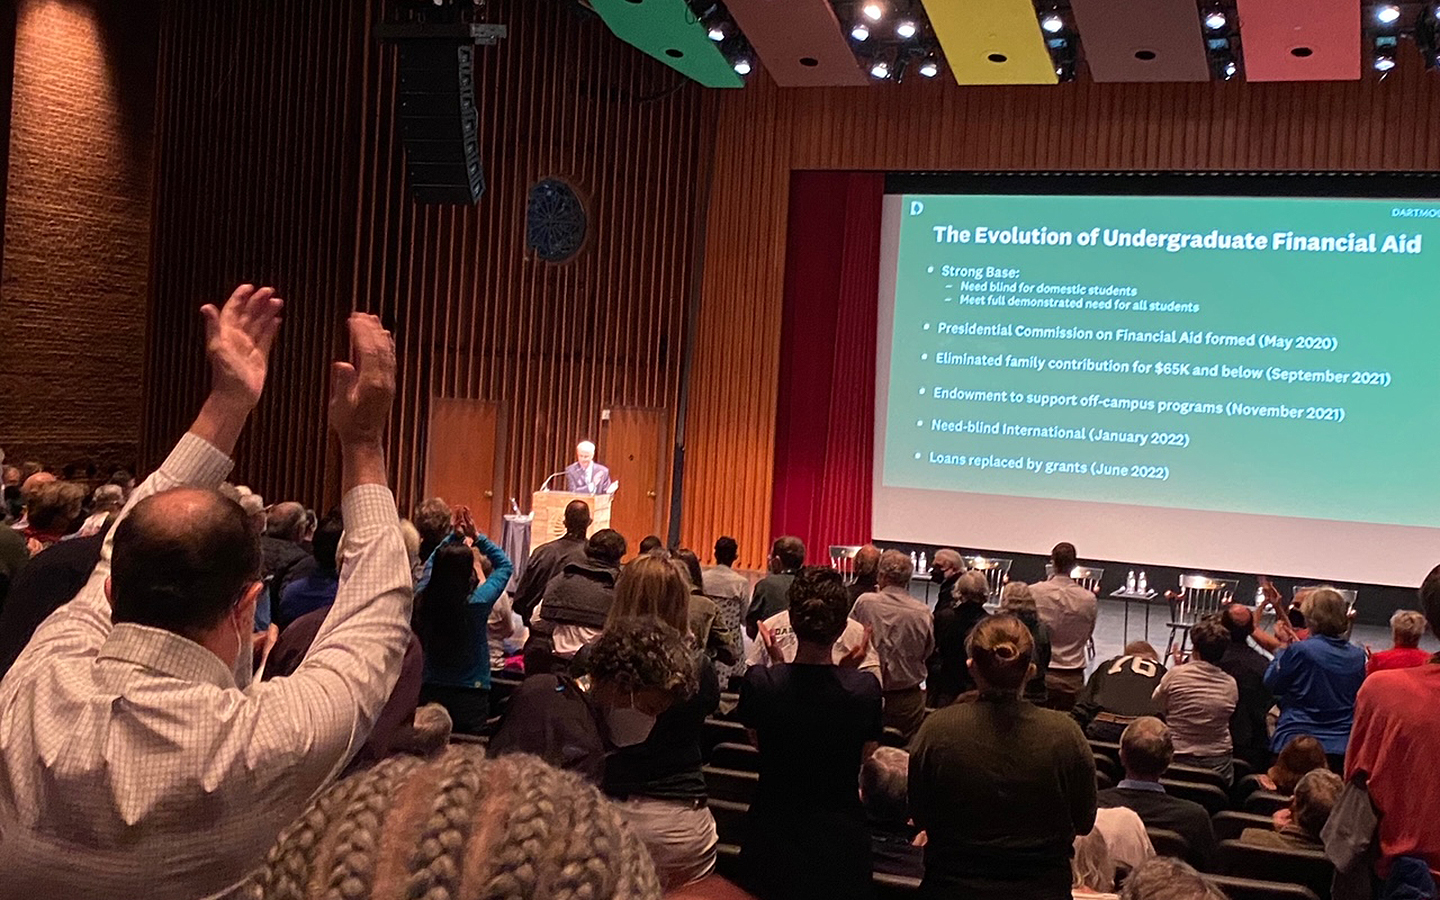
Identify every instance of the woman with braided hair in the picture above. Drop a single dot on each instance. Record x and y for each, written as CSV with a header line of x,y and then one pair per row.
x,y
459,827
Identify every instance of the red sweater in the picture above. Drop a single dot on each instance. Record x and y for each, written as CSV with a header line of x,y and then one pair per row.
x,y
1396,658
1394,739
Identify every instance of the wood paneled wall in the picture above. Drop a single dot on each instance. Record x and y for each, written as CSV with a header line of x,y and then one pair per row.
x,y
280,161
763,134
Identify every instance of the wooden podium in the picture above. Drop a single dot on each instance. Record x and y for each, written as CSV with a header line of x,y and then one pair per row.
x,y
548,508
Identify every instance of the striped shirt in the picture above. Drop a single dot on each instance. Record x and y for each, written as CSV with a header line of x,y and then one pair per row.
x,y
1196,700
131,765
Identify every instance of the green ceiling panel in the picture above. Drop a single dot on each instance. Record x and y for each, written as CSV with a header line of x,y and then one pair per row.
x,y
668,31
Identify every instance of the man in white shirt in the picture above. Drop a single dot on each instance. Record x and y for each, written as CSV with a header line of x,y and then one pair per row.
x,y
136,756
1069,611
782,642
903,633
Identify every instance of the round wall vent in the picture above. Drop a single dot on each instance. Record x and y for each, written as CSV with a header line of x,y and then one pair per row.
x,y
555,222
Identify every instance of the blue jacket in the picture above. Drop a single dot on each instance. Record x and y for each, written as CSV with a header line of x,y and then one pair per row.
x,y
482,599
1315,682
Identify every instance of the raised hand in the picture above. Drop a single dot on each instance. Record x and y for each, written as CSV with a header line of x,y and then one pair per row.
x,y
773,654
362,390
238,337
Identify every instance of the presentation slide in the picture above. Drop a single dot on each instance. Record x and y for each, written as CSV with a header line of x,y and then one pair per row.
x,y
1240,383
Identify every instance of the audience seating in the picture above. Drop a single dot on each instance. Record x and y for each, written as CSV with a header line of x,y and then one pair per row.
x,y
730,820
1304,867
731,784
894,887
718,731
1103,782
1265,803
1244,787
1254,889
1207,795
893,737
1197,775
1168,843
1229,824
730,755
1107,750
1242,768
1109,768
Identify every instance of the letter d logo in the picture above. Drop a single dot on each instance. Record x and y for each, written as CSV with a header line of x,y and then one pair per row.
x,y
916,207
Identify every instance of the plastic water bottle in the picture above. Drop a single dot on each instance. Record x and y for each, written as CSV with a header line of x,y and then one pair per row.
x,y
1144,588
914,560
1259,596
1130,582
922,567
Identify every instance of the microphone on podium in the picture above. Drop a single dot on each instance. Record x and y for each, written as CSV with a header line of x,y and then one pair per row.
x,y
545,485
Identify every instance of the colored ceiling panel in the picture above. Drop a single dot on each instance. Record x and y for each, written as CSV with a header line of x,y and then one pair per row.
x,y
669,31
1142,40
1318,40
799,41
992,41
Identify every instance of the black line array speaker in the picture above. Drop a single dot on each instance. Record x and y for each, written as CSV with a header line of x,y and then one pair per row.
x,y
438,121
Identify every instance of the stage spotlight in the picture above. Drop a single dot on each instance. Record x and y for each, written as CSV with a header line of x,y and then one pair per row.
x,y
1052,24
1384,61
717,32
875,12
1215,20
906,29
861,32
1388,14
880,69
1229,70
743,66
929,67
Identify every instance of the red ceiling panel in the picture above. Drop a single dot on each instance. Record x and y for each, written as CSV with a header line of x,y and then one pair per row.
x,y
799,41
1142,40
1317,40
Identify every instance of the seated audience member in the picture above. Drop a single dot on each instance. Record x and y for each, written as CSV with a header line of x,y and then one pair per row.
x,y
550,559
866,561
1146,752
283,548
637,667
435,521
504,631
884,780
705,624
649,544
771,593
955,615
1303,754
904,637
14,553
1249,729
1408,627
654,774
105,503
1069,611
1121,691
575,604
1001,787
1315,680
777,643
463,826
451,618
1017,600
1315,796
1394,739
1092,868
30,485
731,592
10,476
814,724
1197,700
409,534
1125,835
1164,878
138,758
395,730
317,589
945,569
52,511
43,585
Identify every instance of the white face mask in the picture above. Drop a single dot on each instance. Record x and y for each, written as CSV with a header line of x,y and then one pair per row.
x,y
244,668
628,726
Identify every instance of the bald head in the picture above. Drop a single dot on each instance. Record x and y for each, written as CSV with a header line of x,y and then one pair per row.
x,y
32,484
286,521
577,518
867,559
1146,749
182,560
1239,621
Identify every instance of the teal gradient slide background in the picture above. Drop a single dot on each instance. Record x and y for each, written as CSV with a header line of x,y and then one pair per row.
x,y
1293,383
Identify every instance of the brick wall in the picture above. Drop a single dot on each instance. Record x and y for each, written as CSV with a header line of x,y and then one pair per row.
x,y
74,279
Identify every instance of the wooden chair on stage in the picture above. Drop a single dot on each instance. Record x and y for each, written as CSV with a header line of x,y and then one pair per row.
x,y
1347,593
1089,579
1200,595
842,560
996,572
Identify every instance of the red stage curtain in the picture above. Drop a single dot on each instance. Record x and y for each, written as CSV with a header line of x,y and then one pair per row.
x,y
825,419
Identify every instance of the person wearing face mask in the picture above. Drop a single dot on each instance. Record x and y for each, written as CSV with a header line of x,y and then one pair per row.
x,y
137,757
654,774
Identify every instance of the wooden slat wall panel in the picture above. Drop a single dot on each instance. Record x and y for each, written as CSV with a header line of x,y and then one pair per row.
x,y
301,128
764,133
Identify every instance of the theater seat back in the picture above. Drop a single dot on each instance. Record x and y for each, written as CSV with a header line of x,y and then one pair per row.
x,y
1309,868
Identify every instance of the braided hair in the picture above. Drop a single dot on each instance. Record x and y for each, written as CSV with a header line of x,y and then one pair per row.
x,y
459,827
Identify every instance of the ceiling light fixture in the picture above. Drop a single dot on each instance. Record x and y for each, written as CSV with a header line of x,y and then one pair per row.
x,y
717,32
1388,14
906,29
1215,20
874,11
881,69
742,66
929,67
861,32
1053,24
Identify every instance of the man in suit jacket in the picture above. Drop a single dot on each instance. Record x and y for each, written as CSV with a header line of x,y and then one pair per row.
x,y
585,475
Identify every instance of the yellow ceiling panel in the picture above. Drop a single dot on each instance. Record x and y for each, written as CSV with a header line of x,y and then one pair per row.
x,y
992,41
